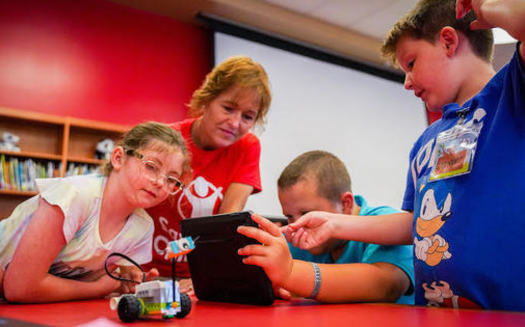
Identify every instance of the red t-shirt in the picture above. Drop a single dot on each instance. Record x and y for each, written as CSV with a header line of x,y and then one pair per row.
x,y
213,172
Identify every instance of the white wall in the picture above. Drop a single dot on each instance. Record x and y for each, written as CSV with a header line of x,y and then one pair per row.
x,y
368,122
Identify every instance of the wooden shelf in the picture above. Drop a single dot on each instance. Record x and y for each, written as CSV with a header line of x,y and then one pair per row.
x,y
31,116
45,137
34,155
89,161
18,193
97,125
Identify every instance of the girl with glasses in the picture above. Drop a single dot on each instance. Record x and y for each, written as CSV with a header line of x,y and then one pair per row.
x,y
53,246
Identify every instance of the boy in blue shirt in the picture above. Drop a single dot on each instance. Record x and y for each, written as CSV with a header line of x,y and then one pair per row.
x,y
318,180
466,175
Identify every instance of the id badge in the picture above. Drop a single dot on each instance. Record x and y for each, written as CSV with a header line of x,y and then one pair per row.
x,y
454,151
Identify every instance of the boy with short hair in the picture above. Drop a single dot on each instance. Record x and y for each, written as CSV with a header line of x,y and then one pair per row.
x,y
466,173
318,180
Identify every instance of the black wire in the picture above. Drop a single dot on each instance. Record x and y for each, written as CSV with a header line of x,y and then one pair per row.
x,y
173,280
116,254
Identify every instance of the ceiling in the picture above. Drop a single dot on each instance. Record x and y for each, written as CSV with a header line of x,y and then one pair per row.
x,y
373,18
350,28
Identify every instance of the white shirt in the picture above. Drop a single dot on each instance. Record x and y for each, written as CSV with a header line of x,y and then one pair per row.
x,y
83,256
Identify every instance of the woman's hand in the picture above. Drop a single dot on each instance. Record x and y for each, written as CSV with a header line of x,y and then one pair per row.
x,y
272,254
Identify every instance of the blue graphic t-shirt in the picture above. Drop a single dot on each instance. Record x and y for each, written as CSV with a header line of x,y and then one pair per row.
x,y
468,228
359,252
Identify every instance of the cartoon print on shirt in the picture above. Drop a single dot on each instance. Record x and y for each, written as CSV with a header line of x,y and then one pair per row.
x,y
85,270
160,242
432,248
63,270
199,199
441,295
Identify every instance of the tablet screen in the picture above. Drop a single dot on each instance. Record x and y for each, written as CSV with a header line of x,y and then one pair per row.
x,y
217,270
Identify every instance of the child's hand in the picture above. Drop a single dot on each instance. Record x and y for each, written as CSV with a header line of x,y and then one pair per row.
x,y
133,273
152,274
272,254
107,285
186,286
464,6
507,15
310,230
282,293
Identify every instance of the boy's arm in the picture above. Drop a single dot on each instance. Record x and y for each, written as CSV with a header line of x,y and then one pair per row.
x,y
317,227
339,283
27,279
353,282
508,15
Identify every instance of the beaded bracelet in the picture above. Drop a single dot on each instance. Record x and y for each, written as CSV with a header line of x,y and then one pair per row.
x,y
317,281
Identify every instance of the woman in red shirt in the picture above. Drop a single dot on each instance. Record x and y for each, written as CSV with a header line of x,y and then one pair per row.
x,y
234,98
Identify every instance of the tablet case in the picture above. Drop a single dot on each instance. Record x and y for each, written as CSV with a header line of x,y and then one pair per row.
x,y
217,270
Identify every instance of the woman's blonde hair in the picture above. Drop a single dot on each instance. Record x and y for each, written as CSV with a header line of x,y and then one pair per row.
x,y
237,70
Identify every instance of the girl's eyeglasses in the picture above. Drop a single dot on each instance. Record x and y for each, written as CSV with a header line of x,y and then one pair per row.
x,y
152,171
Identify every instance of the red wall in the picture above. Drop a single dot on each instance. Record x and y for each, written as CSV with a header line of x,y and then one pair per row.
x,y
98,60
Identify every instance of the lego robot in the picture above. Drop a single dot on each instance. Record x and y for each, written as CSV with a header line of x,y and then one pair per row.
x,y
155,297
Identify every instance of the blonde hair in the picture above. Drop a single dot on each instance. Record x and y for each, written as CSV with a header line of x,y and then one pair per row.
x,y
427,19
237,70
141,136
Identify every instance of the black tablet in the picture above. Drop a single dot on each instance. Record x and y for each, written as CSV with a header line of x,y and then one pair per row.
x,y
216,269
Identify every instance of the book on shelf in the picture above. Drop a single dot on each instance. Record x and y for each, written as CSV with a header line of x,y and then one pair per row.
x,y
74,169
19,174
2,179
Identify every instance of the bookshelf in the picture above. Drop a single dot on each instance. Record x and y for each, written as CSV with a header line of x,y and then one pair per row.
x,y
52,144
